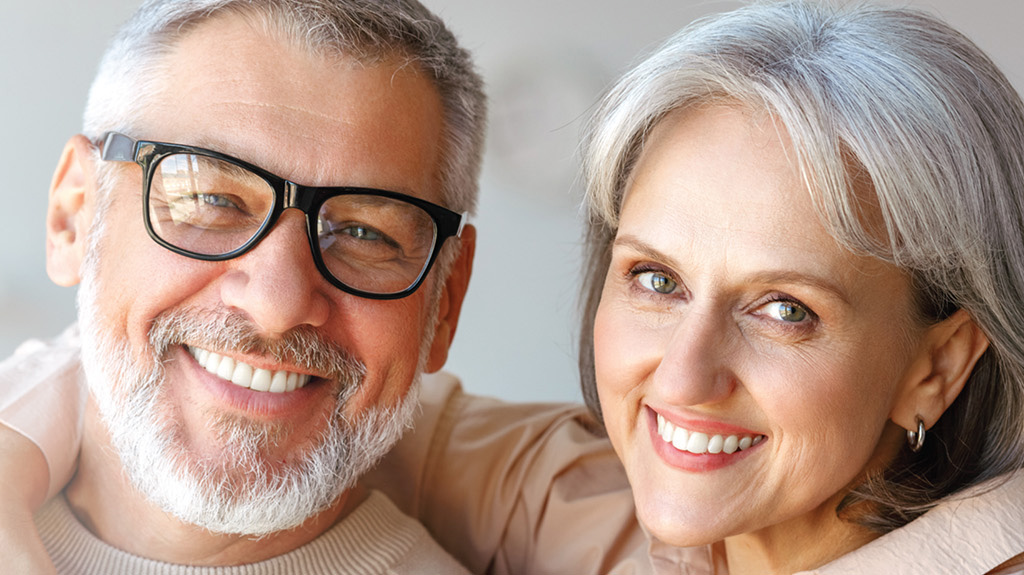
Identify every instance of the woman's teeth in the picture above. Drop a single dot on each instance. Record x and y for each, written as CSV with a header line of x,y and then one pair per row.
x,y
245,375
699,443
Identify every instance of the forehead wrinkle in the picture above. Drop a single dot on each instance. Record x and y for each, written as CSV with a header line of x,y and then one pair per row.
x,y
293,108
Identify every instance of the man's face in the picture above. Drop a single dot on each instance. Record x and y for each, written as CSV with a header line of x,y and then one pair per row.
x,y
313,121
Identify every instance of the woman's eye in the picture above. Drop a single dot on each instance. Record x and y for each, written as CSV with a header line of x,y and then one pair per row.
x,y
657,282
787,311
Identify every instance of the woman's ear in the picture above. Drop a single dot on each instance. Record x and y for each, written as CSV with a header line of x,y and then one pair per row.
x,y
946,357
70,210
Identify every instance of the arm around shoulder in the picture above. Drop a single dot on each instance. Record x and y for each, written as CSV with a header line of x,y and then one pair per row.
x,y
25,476
42,396
520,488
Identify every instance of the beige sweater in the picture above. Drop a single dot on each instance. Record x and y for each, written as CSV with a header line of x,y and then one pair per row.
x,y
376,539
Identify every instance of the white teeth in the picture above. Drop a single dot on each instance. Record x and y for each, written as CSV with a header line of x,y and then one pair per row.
x,y
226,368
245,375
680,437
241,374
716,444
731,444
699,443
262,380
278,382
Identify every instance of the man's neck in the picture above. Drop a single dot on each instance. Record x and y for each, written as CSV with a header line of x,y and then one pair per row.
x,y
106,503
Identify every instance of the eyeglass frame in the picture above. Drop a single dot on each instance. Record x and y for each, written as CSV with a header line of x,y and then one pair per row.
x,y
117,147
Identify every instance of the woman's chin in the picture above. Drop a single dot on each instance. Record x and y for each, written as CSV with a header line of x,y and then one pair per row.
x,y
682,525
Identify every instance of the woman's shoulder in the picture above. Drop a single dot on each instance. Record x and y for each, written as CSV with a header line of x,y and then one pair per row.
x,y
975,532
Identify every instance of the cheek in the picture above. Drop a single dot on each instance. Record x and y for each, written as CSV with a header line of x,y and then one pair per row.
x,y
387,336
138,280
609,362
822,410
624,358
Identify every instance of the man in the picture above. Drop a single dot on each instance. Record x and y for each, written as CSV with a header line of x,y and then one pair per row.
x,y
248,362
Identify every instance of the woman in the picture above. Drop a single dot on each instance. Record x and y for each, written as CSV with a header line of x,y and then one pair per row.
x,y
804,282
801,335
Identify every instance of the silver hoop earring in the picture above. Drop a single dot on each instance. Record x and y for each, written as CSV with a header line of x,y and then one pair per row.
x,y
916,438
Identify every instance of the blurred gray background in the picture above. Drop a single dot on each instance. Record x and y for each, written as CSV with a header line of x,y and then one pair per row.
x,y
545,63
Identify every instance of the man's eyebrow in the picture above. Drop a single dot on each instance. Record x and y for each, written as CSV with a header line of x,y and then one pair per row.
x,y
766,276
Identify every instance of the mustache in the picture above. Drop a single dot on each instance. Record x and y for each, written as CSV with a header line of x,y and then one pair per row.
x,y
303,347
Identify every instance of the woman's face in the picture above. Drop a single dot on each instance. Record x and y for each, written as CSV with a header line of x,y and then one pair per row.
x,y
746,363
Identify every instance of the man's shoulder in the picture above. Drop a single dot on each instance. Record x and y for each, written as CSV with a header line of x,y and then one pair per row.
x,y
406,546
447,408
378,535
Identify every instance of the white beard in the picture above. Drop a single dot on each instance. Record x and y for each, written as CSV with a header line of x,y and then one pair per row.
x,y
241,491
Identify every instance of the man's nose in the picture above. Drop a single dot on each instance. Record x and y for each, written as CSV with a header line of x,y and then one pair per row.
x,y
277,284
695,367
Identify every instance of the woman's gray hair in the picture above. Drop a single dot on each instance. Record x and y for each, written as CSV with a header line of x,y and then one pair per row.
x,y
893,115
367,30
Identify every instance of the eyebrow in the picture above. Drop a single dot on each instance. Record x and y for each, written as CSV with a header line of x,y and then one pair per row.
x,y
646,250
220,147
769,276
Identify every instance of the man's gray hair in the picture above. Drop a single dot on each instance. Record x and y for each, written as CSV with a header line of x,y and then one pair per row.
x,y
892,114
367,30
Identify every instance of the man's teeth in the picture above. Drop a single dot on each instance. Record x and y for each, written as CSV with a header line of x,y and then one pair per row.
x,y
699,443
245,375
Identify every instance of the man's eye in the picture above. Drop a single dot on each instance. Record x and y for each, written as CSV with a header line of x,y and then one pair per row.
x,y
216,200
657,282
361,233
786,311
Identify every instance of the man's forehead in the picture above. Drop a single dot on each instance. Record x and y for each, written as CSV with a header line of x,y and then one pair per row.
x,y
231,87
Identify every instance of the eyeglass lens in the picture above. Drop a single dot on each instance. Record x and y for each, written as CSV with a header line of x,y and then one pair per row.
x,y
211,207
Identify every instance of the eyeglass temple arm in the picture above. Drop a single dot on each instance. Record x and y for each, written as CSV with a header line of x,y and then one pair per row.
x,y
463,220
118,148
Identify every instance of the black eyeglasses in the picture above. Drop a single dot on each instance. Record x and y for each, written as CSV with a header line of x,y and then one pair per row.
x,y
209,206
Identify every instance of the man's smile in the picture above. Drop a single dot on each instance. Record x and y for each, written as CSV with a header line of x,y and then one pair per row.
x,y
247,376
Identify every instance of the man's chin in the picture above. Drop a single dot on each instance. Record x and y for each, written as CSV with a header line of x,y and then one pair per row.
x,y
259,482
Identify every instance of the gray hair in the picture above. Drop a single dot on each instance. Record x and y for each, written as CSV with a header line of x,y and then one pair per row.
x,y
367,30
889,99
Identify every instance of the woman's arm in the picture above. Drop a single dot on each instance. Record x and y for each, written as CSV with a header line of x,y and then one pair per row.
x,y
513,488
25,477
41,399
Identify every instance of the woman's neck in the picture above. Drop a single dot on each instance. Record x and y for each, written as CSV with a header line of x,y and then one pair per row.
x,y
799,544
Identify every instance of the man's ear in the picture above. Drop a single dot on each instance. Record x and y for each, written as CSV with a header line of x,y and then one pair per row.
x,y
69,215
452,296
946,357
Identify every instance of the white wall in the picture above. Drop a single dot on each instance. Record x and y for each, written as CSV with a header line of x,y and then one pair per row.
x,y
545,63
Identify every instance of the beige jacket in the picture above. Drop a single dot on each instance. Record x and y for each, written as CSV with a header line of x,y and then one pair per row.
x,y
534,488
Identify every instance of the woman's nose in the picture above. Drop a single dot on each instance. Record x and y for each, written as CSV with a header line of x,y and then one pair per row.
x,y
695,366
